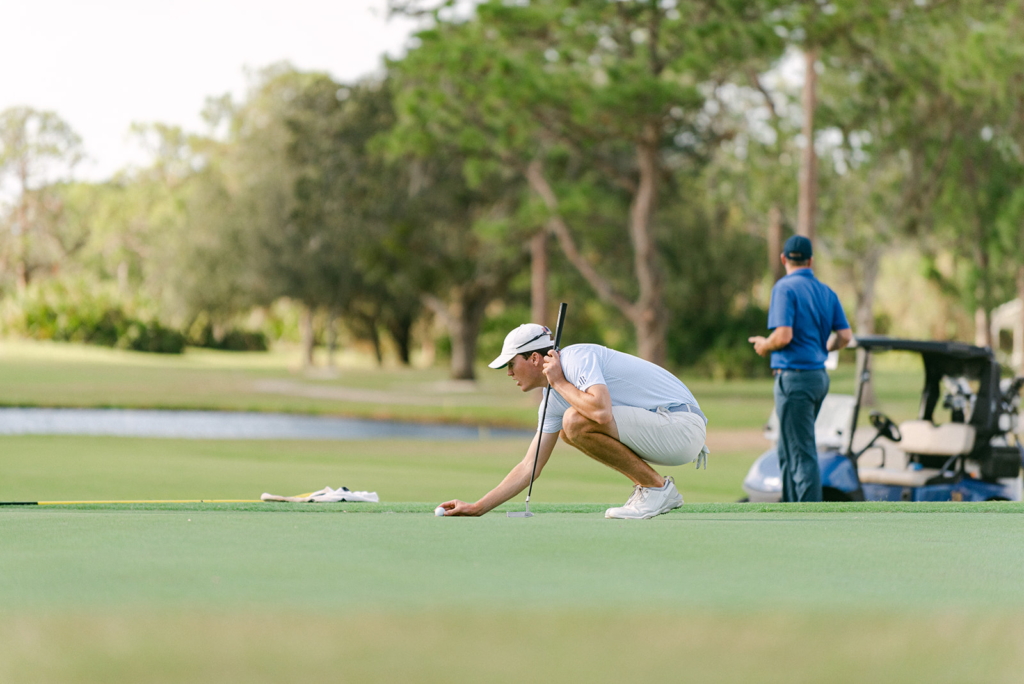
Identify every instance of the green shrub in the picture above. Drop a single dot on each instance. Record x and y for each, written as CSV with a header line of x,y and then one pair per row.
x,y
151,337
232,340
55,311
720,344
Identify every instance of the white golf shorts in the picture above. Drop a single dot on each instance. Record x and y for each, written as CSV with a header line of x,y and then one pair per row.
x,y
661,437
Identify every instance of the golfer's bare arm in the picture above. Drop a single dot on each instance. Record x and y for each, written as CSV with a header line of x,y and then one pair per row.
x,y
595,403
516,481
839,339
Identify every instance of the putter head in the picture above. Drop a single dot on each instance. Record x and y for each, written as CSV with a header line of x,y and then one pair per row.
x,y
519,514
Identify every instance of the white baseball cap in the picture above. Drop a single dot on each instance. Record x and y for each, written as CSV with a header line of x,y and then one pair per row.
x,y
527,337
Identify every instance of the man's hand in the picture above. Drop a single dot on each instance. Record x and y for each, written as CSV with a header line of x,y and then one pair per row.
x,y
456,507
553,368
760,345
779,338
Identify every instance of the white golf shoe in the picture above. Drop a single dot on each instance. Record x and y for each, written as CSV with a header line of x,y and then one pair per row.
x,y
647,502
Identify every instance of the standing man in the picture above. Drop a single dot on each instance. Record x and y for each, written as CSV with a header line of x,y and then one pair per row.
x,y
622,411
802,314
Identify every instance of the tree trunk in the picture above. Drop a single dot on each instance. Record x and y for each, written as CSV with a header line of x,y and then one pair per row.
x,y
332,337
1018,333
462,316
982,321
464,336
651,338
539,278
400,329
21,258
649,312
864,314
21,239
864,288
808,160
308,341
775,243
21,274
428,345
378,350
982,329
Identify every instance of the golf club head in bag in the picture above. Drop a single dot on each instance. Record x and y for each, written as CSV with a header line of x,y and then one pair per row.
x,y
543,413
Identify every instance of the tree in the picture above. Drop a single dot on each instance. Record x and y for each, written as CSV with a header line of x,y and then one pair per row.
x,y
350,191
593,103
36,149
266,225
927,102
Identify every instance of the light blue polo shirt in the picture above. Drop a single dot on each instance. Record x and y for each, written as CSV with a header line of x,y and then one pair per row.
x,y
812,309
631,381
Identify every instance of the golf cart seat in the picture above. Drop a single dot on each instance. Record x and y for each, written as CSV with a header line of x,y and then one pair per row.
x,y
899,477
922,437
927,439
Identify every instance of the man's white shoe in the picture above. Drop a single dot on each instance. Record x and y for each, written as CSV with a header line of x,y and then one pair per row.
x,y
647,502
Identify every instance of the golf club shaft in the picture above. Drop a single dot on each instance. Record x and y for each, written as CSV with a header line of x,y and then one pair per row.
x,y
544,411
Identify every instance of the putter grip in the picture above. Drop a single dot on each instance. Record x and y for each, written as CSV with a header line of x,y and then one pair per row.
x,y
558,326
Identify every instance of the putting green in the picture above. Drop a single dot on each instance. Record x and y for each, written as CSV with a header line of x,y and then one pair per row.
x,y
186,593
390,561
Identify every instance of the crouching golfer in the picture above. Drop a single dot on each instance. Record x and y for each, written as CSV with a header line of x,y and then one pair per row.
x,y
622,411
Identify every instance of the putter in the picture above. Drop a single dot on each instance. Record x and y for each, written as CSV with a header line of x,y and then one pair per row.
x,y
543,414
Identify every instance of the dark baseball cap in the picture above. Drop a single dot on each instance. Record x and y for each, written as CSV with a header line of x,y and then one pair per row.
x,y
798,248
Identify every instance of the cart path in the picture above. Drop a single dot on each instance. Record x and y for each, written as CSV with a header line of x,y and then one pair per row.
x,y
743,439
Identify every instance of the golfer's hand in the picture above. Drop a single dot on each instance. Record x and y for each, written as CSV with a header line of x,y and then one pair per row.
x,y
760,345
456,507
553,368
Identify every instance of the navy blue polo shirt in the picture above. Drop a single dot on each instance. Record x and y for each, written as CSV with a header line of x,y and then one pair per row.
x,y
812,309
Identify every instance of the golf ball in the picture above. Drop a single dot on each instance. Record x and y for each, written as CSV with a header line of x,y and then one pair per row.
x,y
439,512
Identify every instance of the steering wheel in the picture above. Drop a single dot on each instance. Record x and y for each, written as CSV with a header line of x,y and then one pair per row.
x,y
885,426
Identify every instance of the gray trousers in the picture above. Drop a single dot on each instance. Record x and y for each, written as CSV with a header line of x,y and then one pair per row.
x,y
798,397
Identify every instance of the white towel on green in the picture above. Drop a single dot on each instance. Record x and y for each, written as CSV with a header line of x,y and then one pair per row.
x,y
325,495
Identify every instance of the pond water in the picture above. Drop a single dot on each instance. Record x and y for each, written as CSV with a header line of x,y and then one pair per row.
x,y
227,425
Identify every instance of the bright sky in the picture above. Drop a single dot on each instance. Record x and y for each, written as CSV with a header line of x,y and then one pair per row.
x,y
104,64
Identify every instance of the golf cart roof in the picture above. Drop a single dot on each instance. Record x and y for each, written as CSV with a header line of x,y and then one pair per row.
x,y
952,359
953,350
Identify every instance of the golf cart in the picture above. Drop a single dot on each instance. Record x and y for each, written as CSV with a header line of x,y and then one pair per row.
x,y
975,455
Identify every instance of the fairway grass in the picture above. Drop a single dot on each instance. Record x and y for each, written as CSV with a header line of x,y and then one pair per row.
x,y
60,467
61,374
217,594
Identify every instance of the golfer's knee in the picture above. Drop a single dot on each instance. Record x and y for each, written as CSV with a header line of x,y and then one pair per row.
x,y
574,424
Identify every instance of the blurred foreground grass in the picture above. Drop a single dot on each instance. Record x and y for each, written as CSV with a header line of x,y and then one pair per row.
x,y
41,468
54,374
257,646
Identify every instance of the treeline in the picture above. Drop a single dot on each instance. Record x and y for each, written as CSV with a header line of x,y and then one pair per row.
x,y
642,160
